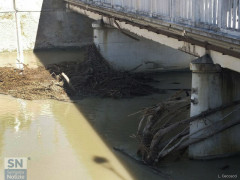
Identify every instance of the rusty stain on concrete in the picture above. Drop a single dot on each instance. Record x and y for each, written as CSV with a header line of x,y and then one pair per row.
x,y
24,16
22,25
6,16
22,29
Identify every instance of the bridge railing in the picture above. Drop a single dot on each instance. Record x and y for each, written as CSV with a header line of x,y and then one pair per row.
x,y
218,15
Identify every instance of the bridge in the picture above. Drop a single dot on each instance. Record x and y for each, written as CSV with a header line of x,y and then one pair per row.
x,y
208,30
197,27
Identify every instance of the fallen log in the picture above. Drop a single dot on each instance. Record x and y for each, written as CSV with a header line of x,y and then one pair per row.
x,y
218,128
157,117
67,80
140,125
199,135
209,131
159,135
183,133
171,115
156,112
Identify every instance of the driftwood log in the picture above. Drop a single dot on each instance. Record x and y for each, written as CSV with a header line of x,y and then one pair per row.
x,y
67,80
160,131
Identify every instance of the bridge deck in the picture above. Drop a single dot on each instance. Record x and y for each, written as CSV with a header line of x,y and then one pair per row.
x,y
215,15
218,15
209,24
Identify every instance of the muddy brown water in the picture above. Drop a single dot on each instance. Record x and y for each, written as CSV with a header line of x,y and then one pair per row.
x,y
75,140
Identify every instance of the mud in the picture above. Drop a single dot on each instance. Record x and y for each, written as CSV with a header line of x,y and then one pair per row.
x,y
31,84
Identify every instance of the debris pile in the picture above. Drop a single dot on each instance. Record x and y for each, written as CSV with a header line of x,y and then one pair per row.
x,y
94,76
30,84
91,77
164,128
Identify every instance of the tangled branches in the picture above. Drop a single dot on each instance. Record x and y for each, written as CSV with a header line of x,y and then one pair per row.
x,y
94,76
164,128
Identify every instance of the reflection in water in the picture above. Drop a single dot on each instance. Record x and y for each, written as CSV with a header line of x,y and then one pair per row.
x,y
61,146
17,124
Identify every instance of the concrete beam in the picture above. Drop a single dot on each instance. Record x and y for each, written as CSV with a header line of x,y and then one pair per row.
x,y
126,51
176,40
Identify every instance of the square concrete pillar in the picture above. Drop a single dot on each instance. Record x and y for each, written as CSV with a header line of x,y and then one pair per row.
x,y
213,87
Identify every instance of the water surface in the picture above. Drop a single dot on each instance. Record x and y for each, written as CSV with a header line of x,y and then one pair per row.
x,y
75,140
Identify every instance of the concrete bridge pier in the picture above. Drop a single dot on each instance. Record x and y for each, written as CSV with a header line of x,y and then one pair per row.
x,y
212,87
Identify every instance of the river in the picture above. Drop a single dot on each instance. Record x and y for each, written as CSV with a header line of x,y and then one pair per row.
x,y
64,141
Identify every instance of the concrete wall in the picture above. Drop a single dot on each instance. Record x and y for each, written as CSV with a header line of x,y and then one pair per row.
x,y
126,53
43,24
213,87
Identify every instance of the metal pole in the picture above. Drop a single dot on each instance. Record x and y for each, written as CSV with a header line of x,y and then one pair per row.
x,y
112,5
151,8
20,57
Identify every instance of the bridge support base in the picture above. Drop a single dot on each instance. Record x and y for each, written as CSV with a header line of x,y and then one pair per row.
x,y
213,87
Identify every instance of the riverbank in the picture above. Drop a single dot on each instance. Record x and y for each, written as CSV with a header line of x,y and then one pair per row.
x,y
73,79
31,84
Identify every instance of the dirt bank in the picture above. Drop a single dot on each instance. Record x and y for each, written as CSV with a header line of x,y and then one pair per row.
x,y
31,84
64,81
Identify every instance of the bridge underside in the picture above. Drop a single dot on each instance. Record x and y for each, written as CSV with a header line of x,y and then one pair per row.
x,y
127,51
223,50
212,85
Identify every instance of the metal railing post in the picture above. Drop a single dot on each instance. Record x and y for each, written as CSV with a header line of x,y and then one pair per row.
x,y
239,14
172,10
136,5
219,18
151,8
112,4
235,14
20,56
